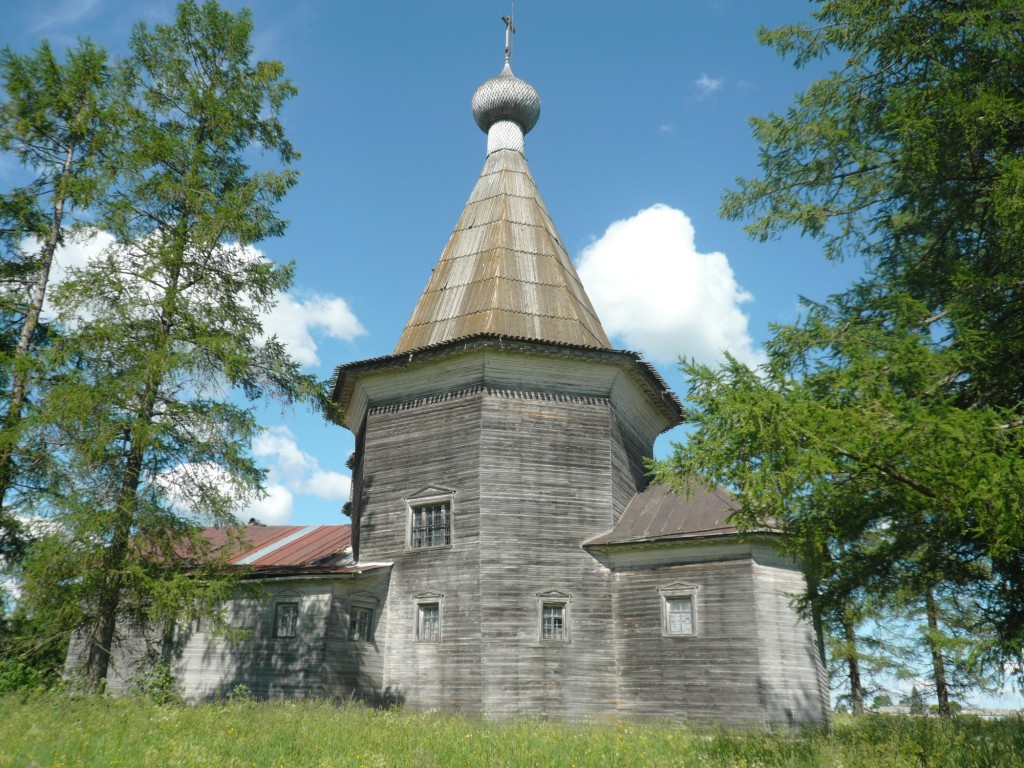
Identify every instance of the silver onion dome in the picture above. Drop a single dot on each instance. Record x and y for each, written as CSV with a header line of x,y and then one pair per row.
x,y
506,97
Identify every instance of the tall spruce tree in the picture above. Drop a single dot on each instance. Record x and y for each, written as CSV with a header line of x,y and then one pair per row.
x,y
885,430
162,334
54,121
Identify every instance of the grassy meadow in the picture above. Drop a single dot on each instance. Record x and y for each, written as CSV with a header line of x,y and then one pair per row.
x,y
57,730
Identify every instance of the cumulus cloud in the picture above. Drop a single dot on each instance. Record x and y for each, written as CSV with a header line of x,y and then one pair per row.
x,y
293,320
273,509
654,291
296,471
290,472
297,320
708,85
76,253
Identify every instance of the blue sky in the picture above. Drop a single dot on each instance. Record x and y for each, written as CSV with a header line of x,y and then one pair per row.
x,y
645,109
643,125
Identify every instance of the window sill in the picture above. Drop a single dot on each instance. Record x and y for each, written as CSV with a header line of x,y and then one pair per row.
x,y
418,550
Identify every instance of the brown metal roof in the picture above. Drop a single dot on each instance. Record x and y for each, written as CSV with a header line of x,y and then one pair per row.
x,y
252,536
656,513
504,271
322,543
284,546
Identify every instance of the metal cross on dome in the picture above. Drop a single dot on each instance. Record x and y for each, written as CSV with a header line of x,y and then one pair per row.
x,y
509,31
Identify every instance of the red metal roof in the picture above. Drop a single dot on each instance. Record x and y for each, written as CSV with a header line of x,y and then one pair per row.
x,y
311,547
284,545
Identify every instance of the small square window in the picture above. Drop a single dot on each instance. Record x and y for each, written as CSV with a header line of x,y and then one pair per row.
x,y
679,615
679,609
552,621
430,525
428,622
286,620
360,624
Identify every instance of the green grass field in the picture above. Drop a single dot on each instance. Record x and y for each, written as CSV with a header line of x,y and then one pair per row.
x,y
56,730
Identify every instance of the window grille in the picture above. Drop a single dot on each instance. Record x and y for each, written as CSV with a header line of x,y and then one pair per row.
x,y
552,621
286,620
360,624
679,615
428,623
430,526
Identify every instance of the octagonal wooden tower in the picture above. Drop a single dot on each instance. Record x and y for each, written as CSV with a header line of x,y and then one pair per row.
x,y
499,470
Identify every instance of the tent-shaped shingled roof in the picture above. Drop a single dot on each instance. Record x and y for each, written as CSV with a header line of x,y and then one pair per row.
x,y
504,271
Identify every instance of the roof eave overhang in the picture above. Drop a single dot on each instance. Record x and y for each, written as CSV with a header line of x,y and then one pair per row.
x,y
311,572
346,376
596,544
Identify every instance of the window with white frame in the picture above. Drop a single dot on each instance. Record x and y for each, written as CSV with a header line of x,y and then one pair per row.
x,y
360,624
554,616
679,609
430,518
286,619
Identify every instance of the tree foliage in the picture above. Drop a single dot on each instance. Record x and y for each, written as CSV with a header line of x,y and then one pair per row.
x,y
885,432
161,338
54,123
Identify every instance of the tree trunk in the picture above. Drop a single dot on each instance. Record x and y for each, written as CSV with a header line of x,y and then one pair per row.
x,y
20,377
853,665
938,664
113,562
109,598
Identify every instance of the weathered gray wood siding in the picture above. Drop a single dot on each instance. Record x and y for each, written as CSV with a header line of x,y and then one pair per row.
x,y
430,441
546,485
133,651
355,668
752,659
538,460
712,675
318,662
792,677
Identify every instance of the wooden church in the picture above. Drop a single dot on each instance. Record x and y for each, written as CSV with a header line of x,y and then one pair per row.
x,y
506,554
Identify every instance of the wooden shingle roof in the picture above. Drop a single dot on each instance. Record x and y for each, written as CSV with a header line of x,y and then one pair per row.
x,y
504,271
658,514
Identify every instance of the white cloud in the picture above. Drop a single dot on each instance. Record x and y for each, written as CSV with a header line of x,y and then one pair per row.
x,y
296,471
274,509
278,443
329,485
293,319
653,290
296,321
76,253
708,85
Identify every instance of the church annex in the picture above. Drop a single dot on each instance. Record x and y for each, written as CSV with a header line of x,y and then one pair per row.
x,y
506,554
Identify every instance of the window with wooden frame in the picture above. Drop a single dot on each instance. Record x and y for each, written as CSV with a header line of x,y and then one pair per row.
x,y
286,619
679,609
428,622
360,624
553,609
360,616
430,518
428,617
